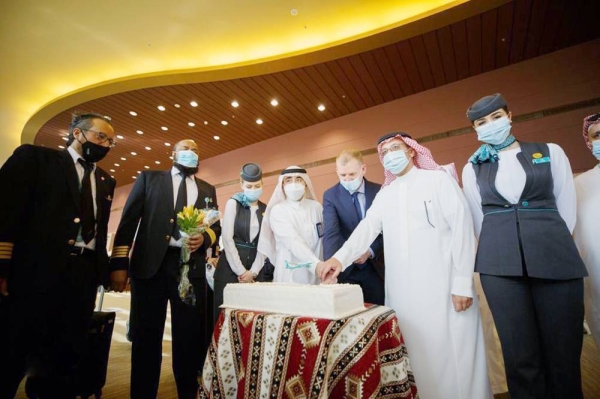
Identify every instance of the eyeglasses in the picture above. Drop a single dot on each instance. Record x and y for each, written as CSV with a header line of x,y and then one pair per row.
x,y
395,147
101,137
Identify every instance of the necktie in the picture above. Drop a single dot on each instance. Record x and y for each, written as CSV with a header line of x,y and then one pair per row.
x,y
179,205
88,220
357,205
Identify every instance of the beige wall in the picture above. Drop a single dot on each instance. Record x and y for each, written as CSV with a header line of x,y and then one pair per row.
x,y
561,78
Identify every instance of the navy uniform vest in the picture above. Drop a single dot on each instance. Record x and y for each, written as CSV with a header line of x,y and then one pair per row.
x,y
241,236
528,236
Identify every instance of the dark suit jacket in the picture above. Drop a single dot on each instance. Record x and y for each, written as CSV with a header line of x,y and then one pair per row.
x,y
340,220
150,205
39,217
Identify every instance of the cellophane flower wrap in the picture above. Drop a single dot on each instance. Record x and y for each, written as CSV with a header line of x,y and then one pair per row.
x,y
191,222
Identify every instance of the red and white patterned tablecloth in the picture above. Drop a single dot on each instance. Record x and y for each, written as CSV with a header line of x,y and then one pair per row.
x,y
266,355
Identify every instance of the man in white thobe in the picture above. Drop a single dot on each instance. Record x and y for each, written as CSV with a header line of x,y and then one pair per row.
x,y
429,256
292,231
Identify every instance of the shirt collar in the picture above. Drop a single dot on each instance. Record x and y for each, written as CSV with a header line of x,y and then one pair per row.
x,y
76,157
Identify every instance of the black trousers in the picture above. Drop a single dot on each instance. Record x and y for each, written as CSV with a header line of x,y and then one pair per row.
x,y
540,326
370,282
149,298
46,329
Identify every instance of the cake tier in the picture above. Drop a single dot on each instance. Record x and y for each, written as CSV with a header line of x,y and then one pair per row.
x,y
333,301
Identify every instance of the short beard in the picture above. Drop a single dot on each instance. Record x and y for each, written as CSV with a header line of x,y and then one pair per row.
x,y
186,170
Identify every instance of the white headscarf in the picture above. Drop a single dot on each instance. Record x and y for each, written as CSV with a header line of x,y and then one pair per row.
x,y
266,241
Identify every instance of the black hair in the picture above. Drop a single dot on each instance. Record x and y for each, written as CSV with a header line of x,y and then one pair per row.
x,y
83,121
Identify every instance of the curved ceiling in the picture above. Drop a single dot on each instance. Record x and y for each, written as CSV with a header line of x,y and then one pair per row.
x,y
67,52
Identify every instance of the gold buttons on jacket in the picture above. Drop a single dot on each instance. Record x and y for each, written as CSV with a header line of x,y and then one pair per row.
x,y
168,237
76,220
71,242
171,221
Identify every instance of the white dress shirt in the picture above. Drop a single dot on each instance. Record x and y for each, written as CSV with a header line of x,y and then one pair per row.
x,y
192,195
80,171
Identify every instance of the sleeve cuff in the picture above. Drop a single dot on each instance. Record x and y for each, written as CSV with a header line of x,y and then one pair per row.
x,y
119,264
4,268
462,286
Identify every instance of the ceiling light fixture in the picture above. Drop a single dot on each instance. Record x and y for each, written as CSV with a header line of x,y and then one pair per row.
x,y
120,137
206,122
123,159
194,104
146,167
112,170
274,102
191,124
164,128
224,123
171,158
139,132
161,108
65,138
148,148
132,113
294,12
135,177
157,162
117,165
321,107
168,144
235,104
139,171
61,146
259,121
216,137
133,153
176,105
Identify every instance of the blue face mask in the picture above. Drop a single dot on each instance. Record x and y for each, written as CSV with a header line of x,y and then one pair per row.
x,y
395,161
253,195
187,158
352,185
494,132
596,149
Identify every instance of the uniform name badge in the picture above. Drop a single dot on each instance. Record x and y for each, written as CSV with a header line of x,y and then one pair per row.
x,y
320,230
540,160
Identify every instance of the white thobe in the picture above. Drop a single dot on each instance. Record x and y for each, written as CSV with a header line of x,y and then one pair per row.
x,y
586,237
429,255
298,229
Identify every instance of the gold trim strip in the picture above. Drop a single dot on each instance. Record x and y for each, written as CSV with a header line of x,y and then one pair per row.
x,y
212,235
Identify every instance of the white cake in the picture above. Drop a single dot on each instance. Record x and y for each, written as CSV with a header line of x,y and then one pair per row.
x,y
332,301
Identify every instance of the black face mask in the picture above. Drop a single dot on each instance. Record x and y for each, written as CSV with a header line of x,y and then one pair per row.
x,y
186,170
93,152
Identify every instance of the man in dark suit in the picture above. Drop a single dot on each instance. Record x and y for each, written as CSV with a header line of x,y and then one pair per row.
x,y
53,227
154,270
344,206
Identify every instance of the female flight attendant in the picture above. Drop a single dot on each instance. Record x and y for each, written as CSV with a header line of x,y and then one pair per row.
x,y
522,198
588,219
240,229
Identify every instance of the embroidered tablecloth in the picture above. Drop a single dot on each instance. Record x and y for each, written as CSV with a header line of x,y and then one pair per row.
x,y
266,355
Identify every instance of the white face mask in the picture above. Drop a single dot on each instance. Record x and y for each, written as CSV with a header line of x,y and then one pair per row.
x,y
352,185
294,191
494,132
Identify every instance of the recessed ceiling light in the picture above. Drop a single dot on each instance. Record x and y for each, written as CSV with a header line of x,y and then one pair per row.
x,y
112,176
65,138
176,105
168,144
61,146
146,167
235,104
157,162
193,103
164,128
112,170
192,124
117,165
133,153
274,102
132,113
139,132
294,12
224,123
139,171
148,148
120,137
161,108
135,177
206,122
216,137
259,121
321,107
171,158
123,159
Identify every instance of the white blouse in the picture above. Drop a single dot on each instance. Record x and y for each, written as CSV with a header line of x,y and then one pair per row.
x,y
510,182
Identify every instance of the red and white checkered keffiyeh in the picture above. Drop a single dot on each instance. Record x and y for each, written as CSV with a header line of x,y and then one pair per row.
x,y
422,159
588,122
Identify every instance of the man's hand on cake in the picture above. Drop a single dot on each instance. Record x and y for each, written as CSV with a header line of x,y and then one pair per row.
x,y
247,277
329,270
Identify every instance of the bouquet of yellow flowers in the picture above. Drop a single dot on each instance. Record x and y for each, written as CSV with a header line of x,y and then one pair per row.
x,y
191,222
